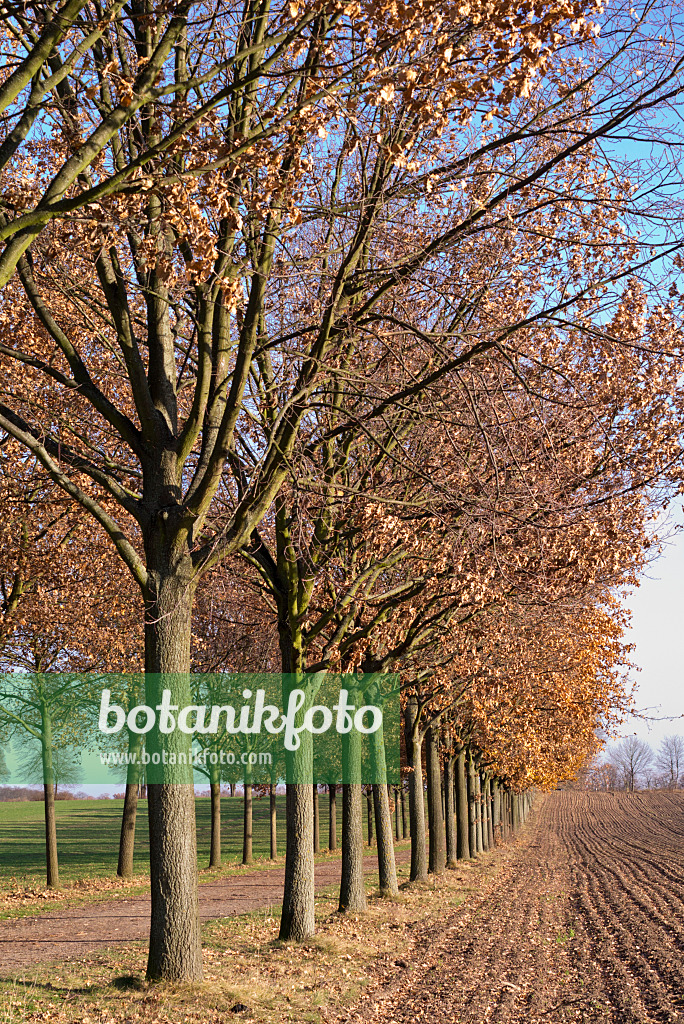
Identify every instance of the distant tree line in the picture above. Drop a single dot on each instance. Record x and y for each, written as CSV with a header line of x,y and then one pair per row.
x,y
13,793
632,764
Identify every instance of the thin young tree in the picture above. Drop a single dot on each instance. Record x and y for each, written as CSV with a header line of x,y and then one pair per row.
x,y
633,758
669,760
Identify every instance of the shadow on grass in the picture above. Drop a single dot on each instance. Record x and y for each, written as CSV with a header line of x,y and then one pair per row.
x,y
128,983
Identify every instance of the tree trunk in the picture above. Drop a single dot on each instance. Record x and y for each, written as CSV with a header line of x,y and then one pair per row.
x,y
515,811
483,804
496,811
232,788
175,952
434,795
387,871
332,821
478,811
449,814
352,888
369,816
462,833
247,824
127,839
402,797
130,808
316,821
51,861
273,811
472,825
490,824
416,800
297,918
215,849
397,815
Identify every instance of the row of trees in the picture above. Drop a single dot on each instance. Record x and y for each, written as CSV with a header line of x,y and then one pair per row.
x,y
329,342
633,764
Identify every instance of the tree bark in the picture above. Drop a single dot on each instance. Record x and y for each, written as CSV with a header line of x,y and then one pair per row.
x,y
436,842
449,812
462,833
352,887
416,800
273,808
332,820
402,797
397,815
297,918
175,952
387,871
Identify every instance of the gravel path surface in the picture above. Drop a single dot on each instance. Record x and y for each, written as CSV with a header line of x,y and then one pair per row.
x,y
62,934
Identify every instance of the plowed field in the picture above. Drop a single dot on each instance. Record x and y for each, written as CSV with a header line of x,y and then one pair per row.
x,y
585,922
627,856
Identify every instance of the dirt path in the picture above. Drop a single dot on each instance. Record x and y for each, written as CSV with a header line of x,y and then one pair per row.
x,y
65,934
584,922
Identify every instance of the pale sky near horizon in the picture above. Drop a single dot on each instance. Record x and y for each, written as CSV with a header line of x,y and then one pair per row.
x,y
658,633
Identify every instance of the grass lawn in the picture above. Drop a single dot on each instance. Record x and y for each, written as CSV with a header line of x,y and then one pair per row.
x,y
88,836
